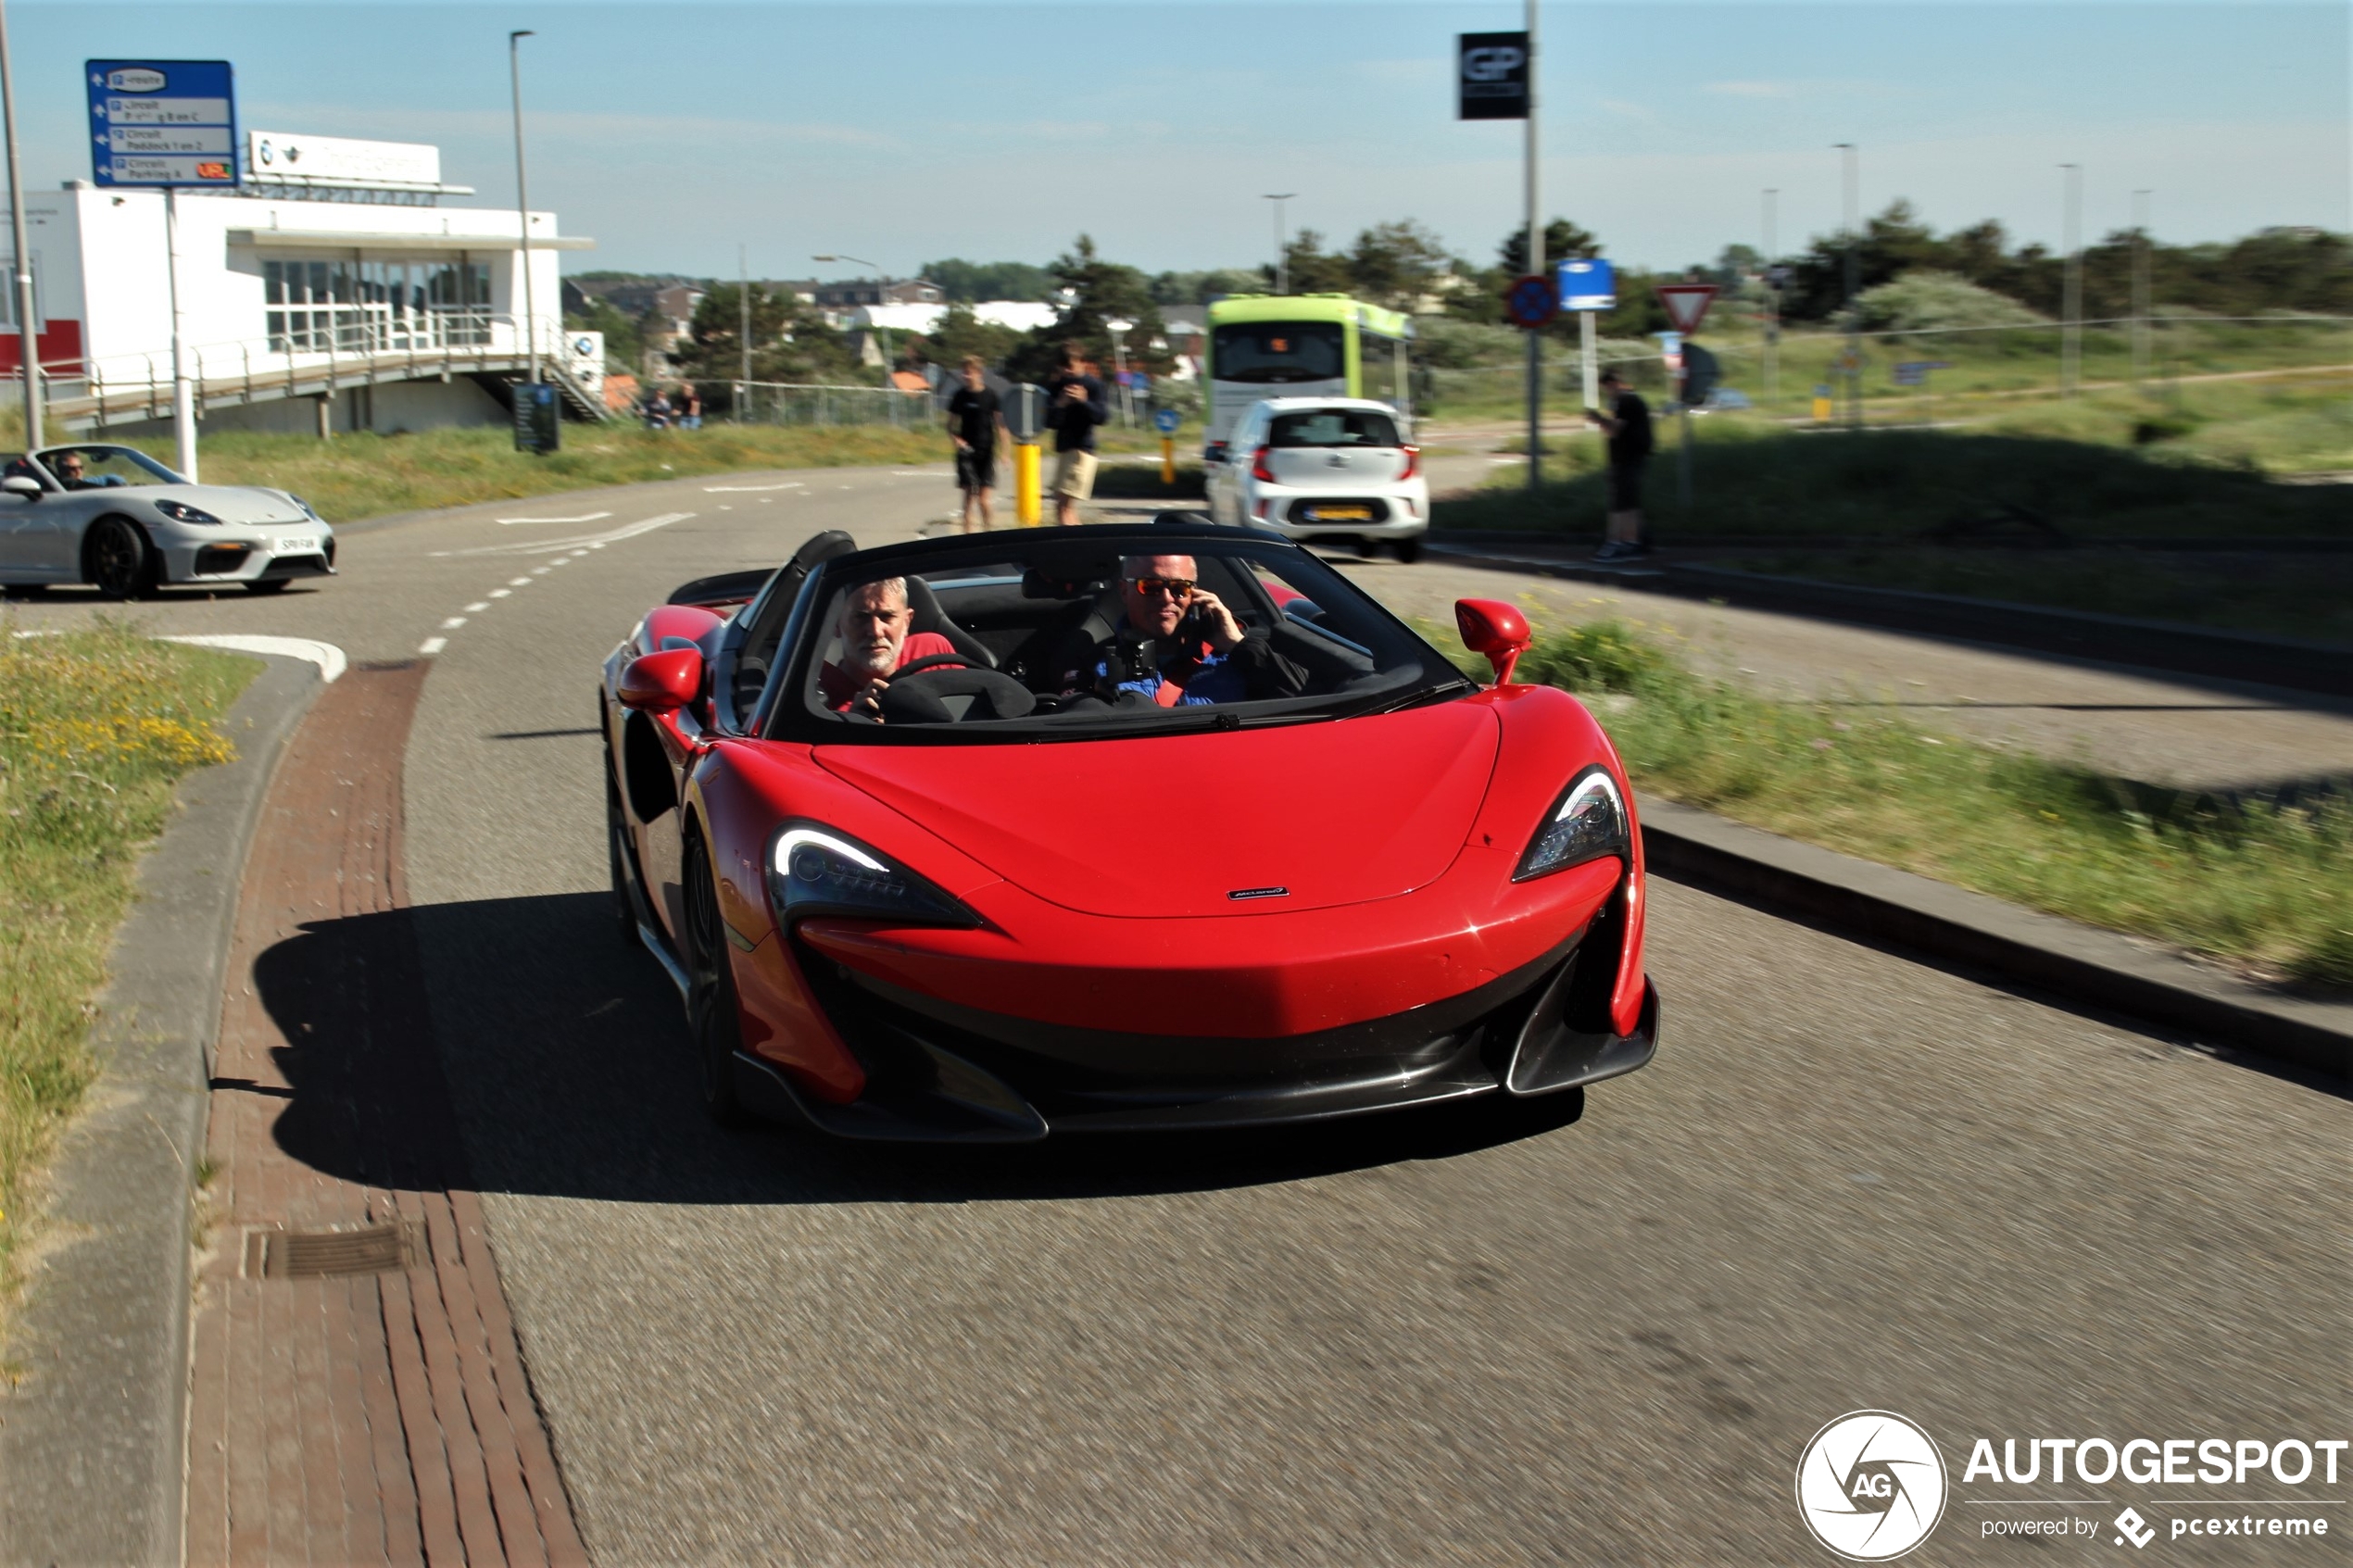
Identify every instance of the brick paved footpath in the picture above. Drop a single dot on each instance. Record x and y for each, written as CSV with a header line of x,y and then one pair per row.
x,y
351,1417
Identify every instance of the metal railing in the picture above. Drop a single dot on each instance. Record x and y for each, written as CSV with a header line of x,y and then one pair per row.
x,y
795,403
119,387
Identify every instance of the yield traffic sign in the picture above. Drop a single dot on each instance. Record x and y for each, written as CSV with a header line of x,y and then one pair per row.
x,y
1686,303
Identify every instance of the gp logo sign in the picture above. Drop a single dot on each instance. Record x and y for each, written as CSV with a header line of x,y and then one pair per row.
x,y
1871,1485
1494,63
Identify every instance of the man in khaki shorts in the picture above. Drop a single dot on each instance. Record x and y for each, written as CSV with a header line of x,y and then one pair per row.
x,y
1074,407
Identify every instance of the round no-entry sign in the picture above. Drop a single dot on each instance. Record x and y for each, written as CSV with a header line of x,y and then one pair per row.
x,y
1532,301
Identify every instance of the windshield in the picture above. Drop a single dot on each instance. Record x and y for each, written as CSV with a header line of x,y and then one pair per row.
x,y
1334,427
1273,352
1124,631
105,466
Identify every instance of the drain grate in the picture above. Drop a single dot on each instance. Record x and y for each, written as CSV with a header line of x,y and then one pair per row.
x,y
367,1249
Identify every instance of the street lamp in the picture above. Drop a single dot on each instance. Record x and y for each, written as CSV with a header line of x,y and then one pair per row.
x,y
27,334
1853,174
1282,258
2072,301
2140,285
1119,330
1773,305
523,206
882,334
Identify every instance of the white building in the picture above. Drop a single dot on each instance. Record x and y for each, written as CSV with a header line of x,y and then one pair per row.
x,y
297,313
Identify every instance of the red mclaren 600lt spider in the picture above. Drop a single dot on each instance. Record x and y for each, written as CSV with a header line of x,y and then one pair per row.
x,y
1138,826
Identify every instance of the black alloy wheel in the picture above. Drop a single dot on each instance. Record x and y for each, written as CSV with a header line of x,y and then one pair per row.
x,y
1409,550
268,585
711,994
116,559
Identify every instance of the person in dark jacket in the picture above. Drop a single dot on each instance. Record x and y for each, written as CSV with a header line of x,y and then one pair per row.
x,y
1627,427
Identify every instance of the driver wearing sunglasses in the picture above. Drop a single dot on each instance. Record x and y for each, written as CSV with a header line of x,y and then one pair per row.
x,y
1181,646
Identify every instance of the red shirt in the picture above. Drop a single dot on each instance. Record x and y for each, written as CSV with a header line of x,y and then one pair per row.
x,y
838,685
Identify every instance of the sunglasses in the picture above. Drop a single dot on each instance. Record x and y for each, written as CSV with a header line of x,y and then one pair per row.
x,y
1177,588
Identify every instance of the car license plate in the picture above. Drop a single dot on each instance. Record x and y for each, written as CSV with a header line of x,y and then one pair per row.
x,y
297,544
1340,514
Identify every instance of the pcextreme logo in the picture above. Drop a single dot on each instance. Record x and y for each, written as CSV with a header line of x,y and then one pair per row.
x,y
1871,1485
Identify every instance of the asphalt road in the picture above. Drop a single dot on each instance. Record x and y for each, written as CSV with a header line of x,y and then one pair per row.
x,y
1495,1334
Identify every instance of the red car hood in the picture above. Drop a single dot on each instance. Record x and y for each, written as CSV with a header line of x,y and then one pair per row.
x,y
1333,813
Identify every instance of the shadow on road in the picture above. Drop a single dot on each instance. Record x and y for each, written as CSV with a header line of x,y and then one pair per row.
x,y
566,1062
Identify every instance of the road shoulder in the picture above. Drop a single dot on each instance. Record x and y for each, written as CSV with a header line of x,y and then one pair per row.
x,y
2078,961
91,1445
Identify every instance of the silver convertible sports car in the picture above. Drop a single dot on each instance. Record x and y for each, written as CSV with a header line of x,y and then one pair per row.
x,y
118,519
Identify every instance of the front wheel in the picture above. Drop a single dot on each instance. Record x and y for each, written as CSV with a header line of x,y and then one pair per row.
x,y
115,558
1409,550
710,995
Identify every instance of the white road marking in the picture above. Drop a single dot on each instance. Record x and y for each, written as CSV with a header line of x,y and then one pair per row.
x,y
453,624
433,645
589,517
519,583
560,560
541,571
478,605
749,489
326,656
556,546
501,593
577,554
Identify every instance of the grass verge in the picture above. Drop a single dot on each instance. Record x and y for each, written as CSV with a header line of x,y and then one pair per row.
x,y
353,476
96,728
2264,885
2287,594
1754,478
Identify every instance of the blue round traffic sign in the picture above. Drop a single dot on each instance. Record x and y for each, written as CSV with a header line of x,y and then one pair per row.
x,y
1164,420
1532,301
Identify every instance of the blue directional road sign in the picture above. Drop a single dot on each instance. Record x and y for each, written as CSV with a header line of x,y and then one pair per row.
x,y
1588,284
1914,372
1164,420
163,122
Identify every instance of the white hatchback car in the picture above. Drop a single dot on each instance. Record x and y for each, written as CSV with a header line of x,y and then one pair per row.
x,y
116,518
1322,468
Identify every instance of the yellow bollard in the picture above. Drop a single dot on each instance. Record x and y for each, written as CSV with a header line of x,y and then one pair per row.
x,y
1026,496
1168,460
1822,410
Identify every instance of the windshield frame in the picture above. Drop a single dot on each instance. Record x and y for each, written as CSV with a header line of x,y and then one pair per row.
x,y
138,459
787,715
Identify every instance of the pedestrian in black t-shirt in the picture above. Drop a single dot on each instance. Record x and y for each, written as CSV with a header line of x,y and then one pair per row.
x,y
975,420
1627,426
1074,407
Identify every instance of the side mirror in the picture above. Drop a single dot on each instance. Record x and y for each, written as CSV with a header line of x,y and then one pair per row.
x,y
1213,453
20,485
1495,629
661,682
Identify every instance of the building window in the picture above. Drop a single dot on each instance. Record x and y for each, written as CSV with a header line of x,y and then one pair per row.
x,y
347,306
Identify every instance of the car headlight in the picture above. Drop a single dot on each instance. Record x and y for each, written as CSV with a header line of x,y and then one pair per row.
x,y
309,510
814,870
180,511
1586,823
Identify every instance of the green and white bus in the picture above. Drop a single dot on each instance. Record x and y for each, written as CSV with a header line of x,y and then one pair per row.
x,y
1303,345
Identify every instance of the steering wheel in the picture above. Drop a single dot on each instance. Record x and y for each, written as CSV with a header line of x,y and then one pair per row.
x,y
932,661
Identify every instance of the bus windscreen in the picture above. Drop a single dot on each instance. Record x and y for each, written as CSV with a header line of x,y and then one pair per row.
x,y
1276,352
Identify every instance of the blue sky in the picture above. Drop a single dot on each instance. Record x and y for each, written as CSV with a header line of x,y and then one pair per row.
x,y
902,131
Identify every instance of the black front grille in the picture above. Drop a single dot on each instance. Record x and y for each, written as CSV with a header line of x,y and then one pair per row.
x,y
214,560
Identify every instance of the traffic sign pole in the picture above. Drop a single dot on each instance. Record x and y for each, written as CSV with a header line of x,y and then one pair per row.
x,y
184,399
1593,361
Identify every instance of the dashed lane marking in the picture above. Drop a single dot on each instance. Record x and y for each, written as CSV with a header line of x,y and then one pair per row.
x,y
453,624
556,546
502,593
749,489
433,645
587,516
478,604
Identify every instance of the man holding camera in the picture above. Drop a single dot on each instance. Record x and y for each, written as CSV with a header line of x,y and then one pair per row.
x,y
1074,407
1177,645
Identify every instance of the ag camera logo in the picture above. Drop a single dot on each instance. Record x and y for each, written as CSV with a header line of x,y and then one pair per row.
x,y
1871,1485
1493,63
